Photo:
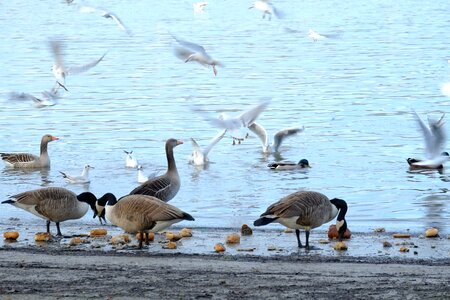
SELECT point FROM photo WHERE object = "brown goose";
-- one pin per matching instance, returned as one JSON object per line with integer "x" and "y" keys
{"x": 141, "y": 213}
{"x": 26, "y": 160}
{"x": 166, "y": 186}
{"x": 54, "y": 204}
{"x": 306, "y": 210}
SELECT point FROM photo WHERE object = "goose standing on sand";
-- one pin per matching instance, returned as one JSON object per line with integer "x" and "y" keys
{"x": 278, "y": 138}
{"x": 26, "y": 160}
{"x": 284, "y": 165}
{"x": 130, "y": 161}
{"x": 306, "y": 210}
{"x": 166, "y": 186}
{"x": 435, "y": 139}
{"x": 199, "y": 157}
{"x": 83, "y": 178}
{"x": 141, "y": 213}
{"x": 54, "y": 204}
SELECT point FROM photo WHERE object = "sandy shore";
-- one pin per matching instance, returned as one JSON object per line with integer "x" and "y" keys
{"x": 264, "y": 265}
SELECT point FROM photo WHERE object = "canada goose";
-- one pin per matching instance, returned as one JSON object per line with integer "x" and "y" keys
{"x": 284, "y": 165}
{"x": 141, "y": 213}
{"x": 54, "y": 204}
{"x": 26, "y": 160}
{"x": 166, "y": 186}
{"x": 306, "y": 210}
{"x": 99, "y": 210}
{"x": 83, "y": 178}
{"x": 130, "y": 161}
{"x": 188, "y": 51}
{"x": 278, "y": 138}
{"x": 200, "y": 157}
{"x": 435, "y": 139}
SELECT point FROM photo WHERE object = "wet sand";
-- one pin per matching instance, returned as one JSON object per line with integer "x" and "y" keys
{"x": 266, "y": 264}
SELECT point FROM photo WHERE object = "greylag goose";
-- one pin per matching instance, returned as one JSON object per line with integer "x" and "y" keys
{"x": 83, "y": 178}
{"x": 188, "y": 51}
{"x": 435, "y": 139}
{"x": 60, "y": 71}
{"x": 306, "y": 210}
{"x": 199, "y": 157}
{"x": 130, "y": 161}
{"x": 284, "y": 165}
{"x": 166, "y": 186}
{"x": 54, "y": 204}
{"x": 26, "y": 160}
{"x": 267, "y": 8}
{"x": 278, "y": 138}
{"x": 141, "y": 213}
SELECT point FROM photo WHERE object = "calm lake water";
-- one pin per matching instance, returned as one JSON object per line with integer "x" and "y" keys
{"x": 354, "y": 94}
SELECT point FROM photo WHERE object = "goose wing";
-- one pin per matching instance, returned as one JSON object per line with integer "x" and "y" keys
{"x": 157, "y": 187}
{"x": 13, "y": 158}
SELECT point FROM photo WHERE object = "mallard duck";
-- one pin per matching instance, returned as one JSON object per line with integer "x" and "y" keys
{"x": 302, "y": 164}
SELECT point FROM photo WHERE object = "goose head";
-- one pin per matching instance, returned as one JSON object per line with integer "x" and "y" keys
{"x": 341, "y": 223}
{"x": 88, "y": 198}
{"x": 49, "y": 138}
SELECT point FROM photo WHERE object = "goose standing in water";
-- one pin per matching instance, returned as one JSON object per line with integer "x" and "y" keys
{"x": 130, "y": 160}
{"x": 278, "y": 138}
{"x": 83, "y": 178}
{"x": 26, "y": 160}
{"x": 435, "y": 139}
{"x": 166, "y": 186}
{"x": 199, "y": 157}
{"x": 306, "y": 210}
{"x": 141, "y": 213}
{"x": 283, "y": 165}
{"x": 54, "y": 204}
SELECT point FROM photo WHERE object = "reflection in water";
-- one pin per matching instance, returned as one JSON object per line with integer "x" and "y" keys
{"x": 434, "y": 205}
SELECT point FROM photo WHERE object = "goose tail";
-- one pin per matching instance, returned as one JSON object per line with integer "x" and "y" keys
{"x": 264, "y": 221}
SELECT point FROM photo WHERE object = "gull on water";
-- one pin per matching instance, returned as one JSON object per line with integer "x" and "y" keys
{"x": 108, "y": 15}
{"x": 435, "y": 139}
{"x": 278, "y": 138}
{"x": 142, "y": 177}
{"x": 188, "y": 51}
{"x": 48, "y": 98}
{"x": 267, "y": 8}
{"x": 130, "y": 160}
{"x": 315, "y": 36}
{"x": 83, "y": 178}
{"x": 199, "y": 157}
{"x": 60, "y": 71}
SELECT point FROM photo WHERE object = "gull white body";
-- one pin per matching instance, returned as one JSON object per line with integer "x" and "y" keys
{"x": 83, "y": 178}
{"x": 199, "y": 157}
